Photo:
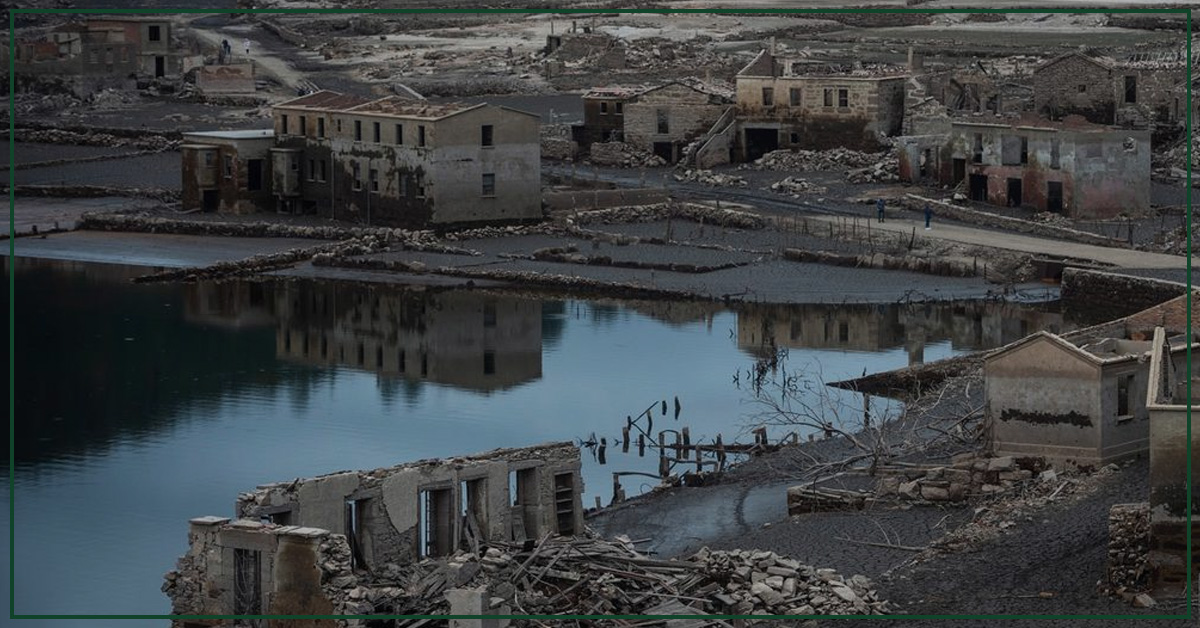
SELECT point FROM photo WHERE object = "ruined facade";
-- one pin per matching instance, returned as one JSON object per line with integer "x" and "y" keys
{"x": 1169, "y": 404}
{"x": 1077, "y": 404}
{"x": 1130, "y": 92}
{"x": 227, "y": 171}
{"x": 1073, "y": 167}
{"x": 402, "y": 162}
{"x": 785, "y": 104}
{"x": 296, "y": 546}
{"x": 663, "y": 120}
{"x": 604, "y": 115}
{"x": 114, "y": 46}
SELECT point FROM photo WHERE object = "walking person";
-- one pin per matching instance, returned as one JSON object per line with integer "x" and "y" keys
{"x": 247, "y": 45}
{"x": 928, "y": 215}
{"x": 879, "y": 209}
{"x": 226, "y": 51}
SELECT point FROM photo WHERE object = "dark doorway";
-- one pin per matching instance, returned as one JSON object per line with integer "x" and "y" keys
{"x": 665, "y": 150}
{"x": 160, "y": 67}
{"x": 247, "y": 582}
{"x": 357, "y": 519}
{"x": 1054, "y": 197}
{"x": 1014, "y": 192}
{"x": 960, "y": 170}
{"x": 523, "y": 489}
{"x": 978, "y": 187}
{"x": 759, "y": 142}
{"x": 210, "y": 200}
{"x": 437, "y": 522}
{"x": 254, "y": 175}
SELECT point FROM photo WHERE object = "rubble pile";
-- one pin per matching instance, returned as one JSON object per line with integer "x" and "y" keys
{"x": 708, "y": 177}
{"x": 795, "y": 186}
{"x": 967, "y": 476}
{"x": 1051, "y": 218}
{"x": 1172, "y": 164}
{"x": 886, "y": 170}
{"x": 1128, "y": 548}
{"x": 594, "y": 576}
{"x": 623, "y": 155}
{"x": 1173, "y": 241}
{"x": 703, "y": 214}
{"x": 144, "y": 141}
{"x": 1019, "y": 504}
{"x": 818, "y": 160}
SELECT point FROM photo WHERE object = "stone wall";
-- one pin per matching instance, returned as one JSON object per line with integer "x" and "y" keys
{"x": 1108, "y": 295}
{"x": 1074, "y": 85}
{"x": 688, "y": 113}
{"x": 973, "y": 216}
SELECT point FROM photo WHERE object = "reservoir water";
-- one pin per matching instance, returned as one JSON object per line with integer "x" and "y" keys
{"x": 139, "y": 406}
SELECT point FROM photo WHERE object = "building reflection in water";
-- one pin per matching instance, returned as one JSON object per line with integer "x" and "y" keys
{"x": 472, "y": 340}
{"x": 871, "y": 328}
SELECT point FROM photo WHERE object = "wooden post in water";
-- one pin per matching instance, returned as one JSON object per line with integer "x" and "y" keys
{"x": 641, "y": 445}
{"x": 625, "y": 439}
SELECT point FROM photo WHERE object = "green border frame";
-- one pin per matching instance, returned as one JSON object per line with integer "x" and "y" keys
{"x": 12, "y": 294}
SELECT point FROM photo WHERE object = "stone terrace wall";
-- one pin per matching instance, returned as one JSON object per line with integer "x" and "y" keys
{"x": 1110, "y": 295}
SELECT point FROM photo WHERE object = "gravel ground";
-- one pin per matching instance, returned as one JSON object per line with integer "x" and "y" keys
{"x": 158, "y": 170}
{"x": 32, "y": 152}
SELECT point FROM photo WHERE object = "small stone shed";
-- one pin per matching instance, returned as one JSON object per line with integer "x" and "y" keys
{"x": 1082, "y": 405}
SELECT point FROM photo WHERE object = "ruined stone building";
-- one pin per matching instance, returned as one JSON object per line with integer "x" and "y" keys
{"x": 297, "y": 547}
{"x": 1169, "y": 405}
{"x": 1081, "y": 404}
{"x": 391, "y": 161}
{"x": 604, "y": 115}
{"x": 479, "y": 342}
{"x": 227, "y": 171}
{"x": 664, "y": 119}
{"x": 1132, "y": 91}
{"x": 788, "y": 103}
{"x": 1080, "y": 169}
{"x": 117, "y": 46}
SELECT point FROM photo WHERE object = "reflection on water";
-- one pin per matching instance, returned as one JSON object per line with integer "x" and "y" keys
{"x": 875, "y": 328}
{"x": 139, "y": 406}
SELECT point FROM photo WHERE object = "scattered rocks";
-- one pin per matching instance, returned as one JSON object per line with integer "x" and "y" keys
{"x": 623, "y": 155}
{"x": 818, "y": 160}
{"x": 795, "y": 186}
{"x": 708, "y": 177}
{"x": 1128, "y": 550}
{"x": 695, "y": 212}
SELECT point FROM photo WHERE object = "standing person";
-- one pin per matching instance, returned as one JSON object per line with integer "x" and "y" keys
{"x": 247, "y": 44}
{"x": 928, "y": 215}
{"x": 226, "y": 50}
{"x": 879, "y": 209}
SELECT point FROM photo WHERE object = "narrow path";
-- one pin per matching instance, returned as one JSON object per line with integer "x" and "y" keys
{"x": 212, "y": 30}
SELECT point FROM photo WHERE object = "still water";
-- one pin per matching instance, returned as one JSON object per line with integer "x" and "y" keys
{"x": 141, "y": 406}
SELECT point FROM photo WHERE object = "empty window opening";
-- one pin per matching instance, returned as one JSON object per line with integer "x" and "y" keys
{"x": 358, "y": 130}
{"x": 1124, "y": 384}
{"x": 356, "y": 171}
{"x": 1024, "y": 150}
{"x": 768, "y": 96}
{"x": 663, "y": 120}
{"x": 283, "y": 124}
{"x": 154, "y": 33}
{"x": 843, "y": 98}
{"x": 228, "y": 166}
{"x": 361, "y": 355}
{"x": 1010, "y": 150}
{"x": 603, "y": 108}
{"x": 843, "y": 332}
{"x": 1130, "y": 89}
{"x": 1054, "y": 196}
{"x": 1014, "y": 192}
{"x": 303, "y": 125}
{"x": 522, "y": 485}
{"x": 399, "y": 134}
{"x": 373, "y": 177}
{"x": 794, "y": 138}
{"x": 489, "y": 362}
{"x": 489, "y": 314}
{"x": 564, "y": 502}
{"x": 619, "y": 108}
{"x": 794, "y": 96}
{"x": 320, "y": 127}
{"x": 312, "y": 170}
{"x": 359, "y": 521}
{"x": 420, "y": 135}
{"x": 254, "y": 175}
{"x": 420, "y": 185}
{"x": 247, "y": 582}
{"x": 977, "y": 149}
{"x": 376, "y": 133}
{"x": 473, "y": 508}
{"x": 486, "y": 133}
{"x": 828, "y": 97}
{"x": 489, "y": 184}
{"x": 436, "y": 522}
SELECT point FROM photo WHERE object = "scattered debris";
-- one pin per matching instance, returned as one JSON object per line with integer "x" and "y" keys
{"x": 708, "y": 177}
{"x": 623, "y": 155}
{"x": 1128, "y": 549}
{"x": 820, "y": 160}
{"x": 795, "y": 186}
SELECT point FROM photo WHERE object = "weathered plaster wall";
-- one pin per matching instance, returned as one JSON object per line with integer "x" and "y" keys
{"x": 1043, "y": 401}
{"x": 689, "y": 113}
{"x": 873, "y": 107}
{"x": 1074, "y": 85}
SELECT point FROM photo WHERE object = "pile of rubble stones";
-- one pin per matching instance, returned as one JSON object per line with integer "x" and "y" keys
{"x": 623, "y": 155}
{"x": 817, "y": 160}
{"x": 795, "y": 186}
{"x": 710, "y": 178}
